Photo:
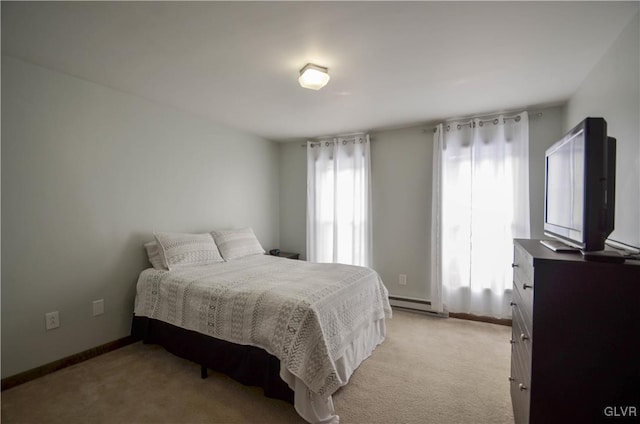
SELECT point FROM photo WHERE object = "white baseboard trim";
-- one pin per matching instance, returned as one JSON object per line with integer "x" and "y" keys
{"x": 418, "y": 305}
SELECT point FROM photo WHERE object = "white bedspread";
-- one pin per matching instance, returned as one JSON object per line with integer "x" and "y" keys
{"x": 307, "y": 315}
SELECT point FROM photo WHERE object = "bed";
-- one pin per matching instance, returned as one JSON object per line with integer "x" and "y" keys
{"x": 267, "y": 321}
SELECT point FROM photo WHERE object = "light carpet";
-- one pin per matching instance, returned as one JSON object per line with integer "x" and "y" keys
{"x": 428, "y": 370}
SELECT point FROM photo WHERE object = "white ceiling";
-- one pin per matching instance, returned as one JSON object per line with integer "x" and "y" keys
{"x": 391, "y": 63}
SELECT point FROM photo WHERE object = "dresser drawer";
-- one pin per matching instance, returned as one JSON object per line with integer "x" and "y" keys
{"x": 521, "y": 400}
{"x": 523, "y": 281}
{"x": 522, "y": 264}
{"x": 523, "y": 309}
{"x": 521, "y": 343}
{"x": 520, "y": 389}
{"x": 520, "y": 379}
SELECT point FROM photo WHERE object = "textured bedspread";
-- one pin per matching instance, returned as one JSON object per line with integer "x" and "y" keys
{"x": 305, "y": 314}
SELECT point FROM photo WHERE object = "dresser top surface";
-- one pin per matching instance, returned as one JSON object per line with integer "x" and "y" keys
{"x": 540, "y": 252}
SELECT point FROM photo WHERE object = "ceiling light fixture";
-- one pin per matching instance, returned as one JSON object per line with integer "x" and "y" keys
{"x": 313, "y": 77}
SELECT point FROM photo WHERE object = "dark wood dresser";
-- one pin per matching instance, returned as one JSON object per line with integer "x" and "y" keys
{"x": 575, "y": 347}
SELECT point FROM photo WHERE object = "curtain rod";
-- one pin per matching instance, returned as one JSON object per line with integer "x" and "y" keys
{"x": 494, "y": 121}
{"x": 363, "y": 139}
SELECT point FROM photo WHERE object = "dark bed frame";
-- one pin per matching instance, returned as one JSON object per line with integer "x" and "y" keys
{"x": 248, "y": 365}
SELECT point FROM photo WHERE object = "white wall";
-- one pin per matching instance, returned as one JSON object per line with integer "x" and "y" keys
{"x": 401, "y": 172}
{"x": 293, "y": 197}
{"x": 543, "y": 132}
{"x": 612, "y": 91}
{"x": 401, "y": 177}
{"x": 88, "y": 173}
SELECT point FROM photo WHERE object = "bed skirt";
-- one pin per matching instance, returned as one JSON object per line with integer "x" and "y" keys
{"x": 254, "y": 366}
{"x": 248, "y": 365}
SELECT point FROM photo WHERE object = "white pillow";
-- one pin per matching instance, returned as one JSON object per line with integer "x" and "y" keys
{"x": 180, "y": 250}
{"x": 153, "y": 253}
{"x": 235, "y": 244}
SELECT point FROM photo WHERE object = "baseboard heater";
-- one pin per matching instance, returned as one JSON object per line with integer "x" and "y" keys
{"x": 413, "y": 304}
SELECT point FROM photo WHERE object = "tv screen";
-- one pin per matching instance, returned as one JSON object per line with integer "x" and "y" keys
{"x": 580, "y": 186}
{"x": 565, "y": 194}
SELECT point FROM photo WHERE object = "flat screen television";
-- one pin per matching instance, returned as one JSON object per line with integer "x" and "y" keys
{"x": 580, "y": 172}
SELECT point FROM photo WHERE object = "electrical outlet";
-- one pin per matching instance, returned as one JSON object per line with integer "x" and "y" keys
{"x": 98, "y": 307}
{"x": 52, "y": 320}
{"x": 402, "y": 279}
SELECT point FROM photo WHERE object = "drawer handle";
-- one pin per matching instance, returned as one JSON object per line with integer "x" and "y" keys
{"x": 512, "y": 379}
{"x": 526, "y": 286}
{"x": 522, "y": 387}
{"x": 524, "y": 337}
{"x": 512, "y": 341}
{"x": 512, "y": 303}
{"x": 514, "y": 265}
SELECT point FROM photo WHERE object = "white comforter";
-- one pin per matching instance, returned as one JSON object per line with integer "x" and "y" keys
{"x": 307, "y": 315}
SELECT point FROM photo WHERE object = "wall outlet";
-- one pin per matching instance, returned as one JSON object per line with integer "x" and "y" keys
{"x": 52, "y": 320}
{"x": 98, "y": 307}
{"x": 402, "y": 279}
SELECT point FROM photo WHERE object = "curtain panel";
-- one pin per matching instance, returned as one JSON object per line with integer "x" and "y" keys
{"x": 339, "y": 200}
{"x": 480, "y": 204}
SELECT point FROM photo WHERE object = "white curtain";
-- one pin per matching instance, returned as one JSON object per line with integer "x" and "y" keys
{"x": 480, "y": 204}
{"x": 339, "y": 200}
